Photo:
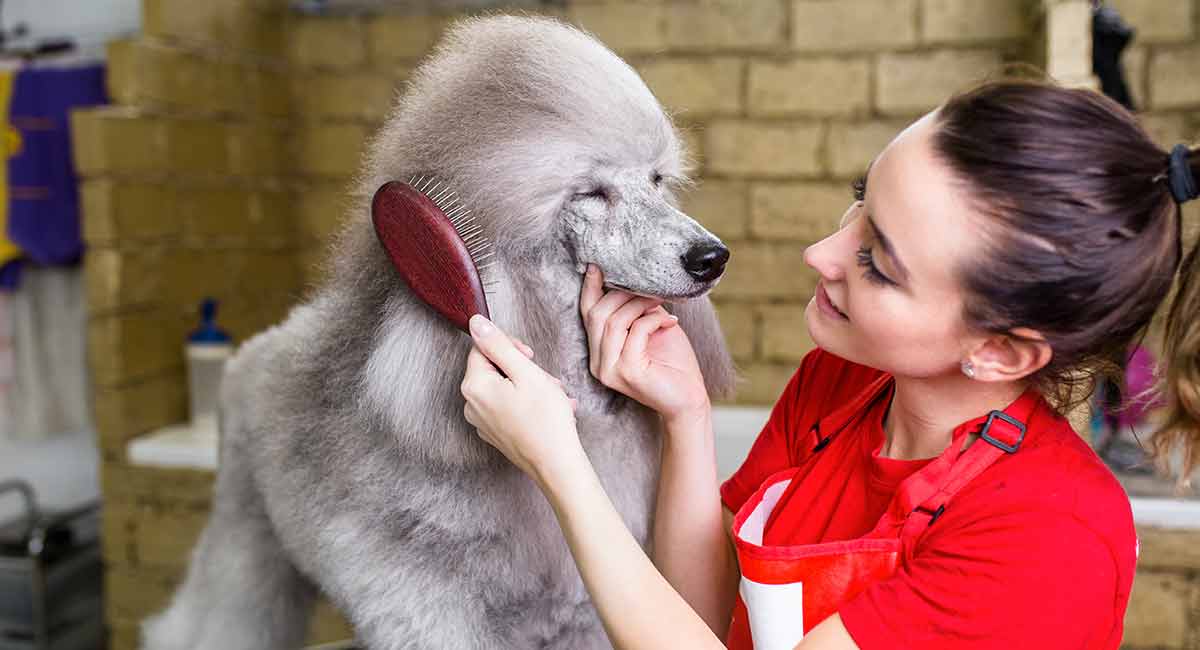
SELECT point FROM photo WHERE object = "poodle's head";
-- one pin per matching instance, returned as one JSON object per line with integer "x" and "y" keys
{"x": 556, "y": 144}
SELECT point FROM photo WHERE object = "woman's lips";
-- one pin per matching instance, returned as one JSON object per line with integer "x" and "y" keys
{"x": 827, "y": 305}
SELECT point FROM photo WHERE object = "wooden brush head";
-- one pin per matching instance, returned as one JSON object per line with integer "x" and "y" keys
{"x": 428, "y": 252}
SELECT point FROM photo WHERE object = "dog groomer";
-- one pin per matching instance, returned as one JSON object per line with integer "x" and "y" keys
{"x": 916, "y": 485}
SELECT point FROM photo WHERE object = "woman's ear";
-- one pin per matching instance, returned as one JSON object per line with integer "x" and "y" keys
{"x": 1009, "y": 358}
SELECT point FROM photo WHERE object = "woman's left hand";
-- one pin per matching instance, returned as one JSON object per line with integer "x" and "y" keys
{"x": 524, "y": 412}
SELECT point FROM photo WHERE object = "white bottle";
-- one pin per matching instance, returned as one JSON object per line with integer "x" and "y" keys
{"x": 208, "y": 348}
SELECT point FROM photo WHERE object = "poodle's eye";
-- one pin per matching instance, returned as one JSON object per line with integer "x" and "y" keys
{"x": 657, "y": 179}
{"x": 597, "y": 193}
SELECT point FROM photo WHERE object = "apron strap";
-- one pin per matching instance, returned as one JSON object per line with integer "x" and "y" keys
{"x": 1001, "y": 434}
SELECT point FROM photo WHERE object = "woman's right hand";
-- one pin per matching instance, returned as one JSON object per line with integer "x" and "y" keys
{"x": 635, "y": 348}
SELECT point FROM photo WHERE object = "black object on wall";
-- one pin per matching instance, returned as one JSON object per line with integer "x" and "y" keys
{"x": 1110, "y": 35}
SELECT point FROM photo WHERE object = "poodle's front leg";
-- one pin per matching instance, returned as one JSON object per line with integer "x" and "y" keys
{"x": 241, "y": 592}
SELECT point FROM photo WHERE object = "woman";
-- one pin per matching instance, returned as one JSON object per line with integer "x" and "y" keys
{"x": 915, "y": 484}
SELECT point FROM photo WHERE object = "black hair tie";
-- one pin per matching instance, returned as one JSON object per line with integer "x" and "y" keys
{"x": 1179, "y": 175}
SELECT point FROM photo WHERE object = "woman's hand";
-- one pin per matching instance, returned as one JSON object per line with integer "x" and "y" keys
{"x": 523, "y": 413}
{"x": 634, "y": 348}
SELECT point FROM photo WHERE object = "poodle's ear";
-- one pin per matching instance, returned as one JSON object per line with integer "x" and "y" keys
{"x": 699, "y": 320}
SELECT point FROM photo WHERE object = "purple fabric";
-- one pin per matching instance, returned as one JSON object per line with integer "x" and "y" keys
{"x": 1139, "y": 377}
{"x": 43, "y": 206}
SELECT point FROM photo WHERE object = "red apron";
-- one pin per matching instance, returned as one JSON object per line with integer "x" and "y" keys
{"x": 785, "y": 591}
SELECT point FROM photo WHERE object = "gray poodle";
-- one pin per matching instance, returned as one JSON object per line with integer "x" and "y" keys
{"x": 347, "y": 466}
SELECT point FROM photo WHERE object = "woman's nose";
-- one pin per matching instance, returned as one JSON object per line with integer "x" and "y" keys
{"x": 823, "y": 257}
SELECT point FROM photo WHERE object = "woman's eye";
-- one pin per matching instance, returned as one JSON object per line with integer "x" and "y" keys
{"x": 860, "y": 188}
{"x": 872, "y": 273}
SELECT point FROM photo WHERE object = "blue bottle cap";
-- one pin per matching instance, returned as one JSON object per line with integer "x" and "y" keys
{"x": 208, "y": 332}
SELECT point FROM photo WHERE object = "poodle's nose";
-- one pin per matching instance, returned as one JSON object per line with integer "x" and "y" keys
{"x": 706, "y": 261}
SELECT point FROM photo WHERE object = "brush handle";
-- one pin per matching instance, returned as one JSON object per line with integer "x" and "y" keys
{"x": 427, "y": 251}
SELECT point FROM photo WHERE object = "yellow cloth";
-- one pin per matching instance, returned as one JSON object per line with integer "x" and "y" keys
{"x": 10, "y": 145}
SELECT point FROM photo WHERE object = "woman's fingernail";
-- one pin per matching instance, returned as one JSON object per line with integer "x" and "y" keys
{"x": 591, "y": 269}
{"x": 480, "y": 326}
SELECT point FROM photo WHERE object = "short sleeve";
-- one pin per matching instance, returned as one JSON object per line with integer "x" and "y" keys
{"x": 770, "y": 452}
{"x": 1031, "y": 580}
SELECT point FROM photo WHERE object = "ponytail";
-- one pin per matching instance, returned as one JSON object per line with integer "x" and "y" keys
{"x": 1180, "y": 380}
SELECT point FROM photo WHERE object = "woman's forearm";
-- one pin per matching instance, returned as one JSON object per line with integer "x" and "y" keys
{"x": 638, "y": 607}
{"x": 691, "y": 547}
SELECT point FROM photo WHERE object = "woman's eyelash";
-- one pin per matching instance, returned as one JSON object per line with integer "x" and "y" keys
{"x": 872, "y": 273}
{"x": 860, "y": 188}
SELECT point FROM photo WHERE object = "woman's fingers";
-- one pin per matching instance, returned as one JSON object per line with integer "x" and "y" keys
{"x": 640, "y": 331}
{"x": 500, "y": 350}
{"x": 593, "y": 289}
{"x": 616, "y": 330}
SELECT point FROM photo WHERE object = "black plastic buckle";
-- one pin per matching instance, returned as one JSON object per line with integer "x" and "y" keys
{"x": 987, "y": 426}
{"x": 934, "y": 513}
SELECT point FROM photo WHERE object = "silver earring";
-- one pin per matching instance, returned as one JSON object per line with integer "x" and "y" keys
{"x": 968, "y": 369}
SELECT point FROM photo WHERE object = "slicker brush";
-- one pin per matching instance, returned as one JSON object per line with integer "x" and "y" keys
{"x": 436, "y": 246}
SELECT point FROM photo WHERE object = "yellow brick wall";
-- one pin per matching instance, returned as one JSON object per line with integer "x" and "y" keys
{"x": 223, "y": 169}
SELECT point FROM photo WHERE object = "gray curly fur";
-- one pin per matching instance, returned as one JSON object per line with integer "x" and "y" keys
{"x": 347, "y": 466}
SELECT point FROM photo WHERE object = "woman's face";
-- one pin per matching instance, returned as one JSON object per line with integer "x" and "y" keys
{"x": 889, "y": 268}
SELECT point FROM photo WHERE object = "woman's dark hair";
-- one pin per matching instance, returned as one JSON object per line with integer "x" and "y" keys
{"x": 1084, "y": 239}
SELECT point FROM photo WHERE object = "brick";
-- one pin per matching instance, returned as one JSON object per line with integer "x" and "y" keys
{"x": 1168, "y": 129}
{"x": 1157, "y": 613}
{"x": 115, "y": 211}
{"x": 231, "y": 25}
{"x": 327, "y": 42}
{"x": 115, "y": 140}
{"x": 328, "y": 625}
{"x": 739, "y": 324}
{"x": 254, "y": 311}
{"x": 915, "y": 83}
{"x": 1156, "y": 21}
{"x": 766, "y": 270}
{"x": 126, "y": 347}
{"x": 126, "y": 412}
{"x": 197, "y": 147}
{"x": 268, "y": 93}
{"x": 805, "y": 212}
{"x": 363, "y": 96}
{"x": 693, "y": 148}
{"x": 726, "y": 25}
{"x": 132, "y": 595}
{"x": 116, "y": 534}
{"x": 321, "y": 210}
{"x": 392, "y": 38}
{"x": 852, "y": 146}
{"x": 1134, "y": 60}
{"x": 1168, "y": 549}
{"x": 809, "y": 87}
{"x": 313, "y": 265}
{"x": 123, "y": 278}
{"x": 176, "y": 487}
{"x": 234, "y": 217}
{"x": 329, "y": 150}
{"x": 146, "y": 73}
{"x": 632, "y": 28}
{"x": 784, "y": 333}
{"x": 766, "y": 149}
{"x": 854, "y": 25}
{"x": 720, "y": 206}
{"x": 1173, "y": 79}
{"x": 970, "y": 21}
{"x": 698, "y": 87}
{"x": 164, "y": 537}
{"x": 256, "y": 149}
{"x": 763, "y": 383}
{"x": 1069, "y": 40}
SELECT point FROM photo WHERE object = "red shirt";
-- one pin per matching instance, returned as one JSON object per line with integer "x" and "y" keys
{"x": 1036, "y": 552}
